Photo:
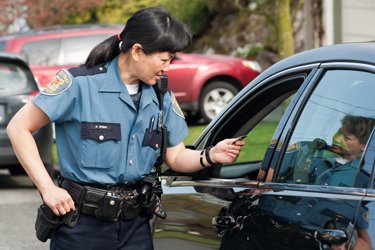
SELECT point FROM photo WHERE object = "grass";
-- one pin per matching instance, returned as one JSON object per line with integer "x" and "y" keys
{"x": 256, "y": 142}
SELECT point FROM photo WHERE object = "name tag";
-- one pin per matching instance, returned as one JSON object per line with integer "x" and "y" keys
{"x": 101, "y": 131}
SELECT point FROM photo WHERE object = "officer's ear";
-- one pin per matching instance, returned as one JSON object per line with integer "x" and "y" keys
{"x": 136, "y": 51}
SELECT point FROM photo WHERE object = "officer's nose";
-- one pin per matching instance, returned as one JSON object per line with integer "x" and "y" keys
{"x": 166, "y": 67}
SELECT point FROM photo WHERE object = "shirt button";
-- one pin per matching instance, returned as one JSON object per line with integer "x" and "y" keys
{"x": 101, "y": 137}
{"x": 131, "y": 162}
{"x": 134, "y": 137}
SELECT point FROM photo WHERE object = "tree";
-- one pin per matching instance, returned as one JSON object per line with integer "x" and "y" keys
{"x": 284, "y": 31}
{"x": 44, "y": 13}
{"x": 10, "y": 11}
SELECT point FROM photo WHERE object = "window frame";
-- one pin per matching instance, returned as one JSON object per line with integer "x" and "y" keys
{"x": 291, "y": 125}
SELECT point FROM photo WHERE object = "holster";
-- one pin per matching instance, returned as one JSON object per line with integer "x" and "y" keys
{"x": 47, "y": 222}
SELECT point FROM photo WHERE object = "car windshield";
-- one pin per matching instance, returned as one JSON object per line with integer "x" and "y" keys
{"x": 13, "y": 79}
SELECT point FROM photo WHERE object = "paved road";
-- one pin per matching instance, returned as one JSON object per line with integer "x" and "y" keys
{"x": 19, "y": 201}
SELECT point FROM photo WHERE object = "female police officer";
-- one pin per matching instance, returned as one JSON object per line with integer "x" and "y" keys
{"x": 103, "y": 112}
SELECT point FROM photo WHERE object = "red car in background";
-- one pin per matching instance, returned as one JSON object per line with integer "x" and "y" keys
{"x": 202, "y": 84}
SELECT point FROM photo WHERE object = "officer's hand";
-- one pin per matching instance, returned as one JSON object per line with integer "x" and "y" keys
{"x": 226, "y": 151}
{"x": 59, "y": 200}
{"x": 338, "y": 247}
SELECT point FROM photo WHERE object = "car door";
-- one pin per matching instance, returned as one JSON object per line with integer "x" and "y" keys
{"x": 280, "y": 192}
{"x": 316, "y": 175}
{"x": 191, "y": 201}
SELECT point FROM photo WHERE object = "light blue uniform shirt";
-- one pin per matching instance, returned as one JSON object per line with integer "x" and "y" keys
{"x": 99, "y": 132}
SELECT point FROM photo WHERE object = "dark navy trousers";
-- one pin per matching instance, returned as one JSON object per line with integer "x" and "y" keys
{"x": 91, "y": 233}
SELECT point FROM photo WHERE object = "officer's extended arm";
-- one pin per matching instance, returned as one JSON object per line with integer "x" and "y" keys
{"x": 184, "y": 160}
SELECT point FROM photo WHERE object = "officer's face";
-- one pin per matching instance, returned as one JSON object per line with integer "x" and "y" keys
{"x": 152, "y": 66}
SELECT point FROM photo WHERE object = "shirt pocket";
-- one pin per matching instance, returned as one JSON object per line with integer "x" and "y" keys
{"x": 100, "y": 145}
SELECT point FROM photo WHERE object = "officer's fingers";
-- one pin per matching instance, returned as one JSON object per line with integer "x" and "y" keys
{"x": 233, "y": 151}
{"x": 71, "y": 204}
{"x": 63, "y": 209}
{"x": 66, "y": 206}
{"x": 56, "y": 211}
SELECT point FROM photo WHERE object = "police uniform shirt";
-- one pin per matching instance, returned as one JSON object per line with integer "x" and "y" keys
{"x": 340, "y": 175}
{"x": 99, "y": 131}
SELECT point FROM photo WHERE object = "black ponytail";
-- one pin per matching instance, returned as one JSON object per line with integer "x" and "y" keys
{"x": 103, "y": 52}
{"x": 155, "y": 29}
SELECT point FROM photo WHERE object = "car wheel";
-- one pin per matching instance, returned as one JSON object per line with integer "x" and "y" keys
{"x": 50, "y": 167}
{"x": 17, "y": 170}
{"x": 214, "y": 97}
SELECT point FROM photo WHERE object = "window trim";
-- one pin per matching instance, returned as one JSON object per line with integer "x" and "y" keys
{"x": 292, "y": 122}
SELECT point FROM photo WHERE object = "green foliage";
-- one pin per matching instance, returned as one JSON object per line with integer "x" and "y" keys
{"x": 194, "y": 13}
{"x": 119, "y": 11}
{"x": 249, "y": 50}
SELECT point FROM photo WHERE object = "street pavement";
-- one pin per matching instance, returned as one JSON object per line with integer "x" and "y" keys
{"x": 19, "y": 201}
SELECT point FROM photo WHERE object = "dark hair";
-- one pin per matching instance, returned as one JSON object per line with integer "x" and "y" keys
{"x": 360, "y": 127}
{"x": 154, "y": 28}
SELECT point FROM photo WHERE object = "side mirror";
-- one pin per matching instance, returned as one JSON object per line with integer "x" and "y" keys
{"x": 331, "y": 236}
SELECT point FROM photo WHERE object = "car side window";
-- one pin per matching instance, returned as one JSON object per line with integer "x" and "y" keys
{"x": 332, "y": 131}
{"x": 259, "y": 137}
{"x": 74, "y": 50}
{"x": 258, "y": 115}
{"x": 14, "y": 79}
{"x": 42, "y": 52}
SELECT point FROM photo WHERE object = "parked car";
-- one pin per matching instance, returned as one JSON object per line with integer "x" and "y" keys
{"x": 18, "y": 86}
{"x": 305, "y": 178}
{"x": 202, "y": 84}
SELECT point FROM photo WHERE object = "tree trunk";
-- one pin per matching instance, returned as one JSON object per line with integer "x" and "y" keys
{"x": 284, "y": 30}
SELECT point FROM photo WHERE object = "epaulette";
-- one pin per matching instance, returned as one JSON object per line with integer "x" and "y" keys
{"x": 84, "y": 71}
{"x": 176, "y": 107}
{"x": 294, "y": 147}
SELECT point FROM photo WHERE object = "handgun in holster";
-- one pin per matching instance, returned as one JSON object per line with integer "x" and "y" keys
{"x": 47, "y": 222}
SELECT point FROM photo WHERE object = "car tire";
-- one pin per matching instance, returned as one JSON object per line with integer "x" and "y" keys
{"x": 50, "y": 167}
{"x": 17, "y": 170}
{"x": 214, "y": 97}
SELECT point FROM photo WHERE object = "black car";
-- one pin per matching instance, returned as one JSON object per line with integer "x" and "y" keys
{"x": 312, "y": 185}
{"x": 18, "y": 86}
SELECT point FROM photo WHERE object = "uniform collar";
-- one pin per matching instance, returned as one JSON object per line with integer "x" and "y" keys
{"x": 113, "y": 83}
{"x": 148, "y": 96}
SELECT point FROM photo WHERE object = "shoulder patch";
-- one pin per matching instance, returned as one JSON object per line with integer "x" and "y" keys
{"x": 59, "y": 83}
{"x": 176, "y": 108}
{"x": 84, "y": 71}
{"x": 294, "y": 147}
{"x": 366, "y": 216}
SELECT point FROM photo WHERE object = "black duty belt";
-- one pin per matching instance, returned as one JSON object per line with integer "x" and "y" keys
{"x": 108, "y": 203}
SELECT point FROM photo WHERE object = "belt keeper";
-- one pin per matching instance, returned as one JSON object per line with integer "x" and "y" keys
{"x": 207, "y": 153}
{"x": 201, "y": 160}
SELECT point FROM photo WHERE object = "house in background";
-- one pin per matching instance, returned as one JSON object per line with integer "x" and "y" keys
{"x": 348, "y": 21}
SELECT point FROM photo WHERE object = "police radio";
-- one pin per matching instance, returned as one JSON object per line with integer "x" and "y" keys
{"x": 150, "y": 189}
{"x": 162, "y": 87}
{"x": 163, "y": 84}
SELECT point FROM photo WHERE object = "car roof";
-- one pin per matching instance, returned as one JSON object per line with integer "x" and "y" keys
{"x": 63, "y": 29}
{"x": 361, "y": 52}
